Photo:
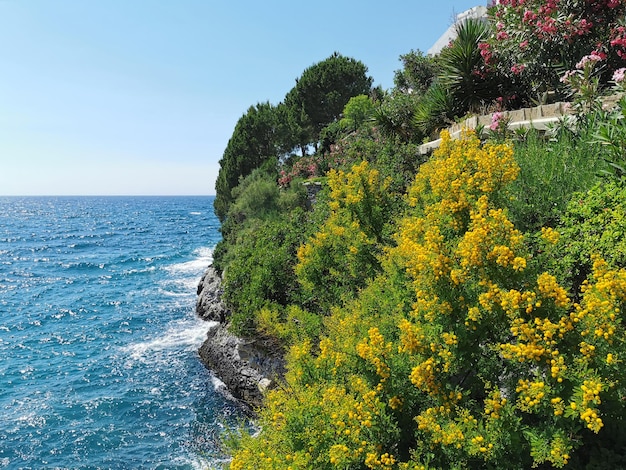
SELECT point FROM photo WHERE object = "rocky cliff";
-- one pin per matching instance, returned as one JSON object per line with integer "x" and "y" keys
{"x": 247, "y": 366}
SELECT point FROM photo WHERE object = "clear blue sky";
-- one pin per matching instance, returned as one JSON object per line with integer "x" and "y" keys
{"x": 140, "y": 97}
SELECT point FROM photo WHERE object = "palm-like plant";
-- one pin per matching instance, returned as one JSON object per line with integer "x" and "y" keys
{"x": 437, "y": 109}
{"x": 463, "y": 71}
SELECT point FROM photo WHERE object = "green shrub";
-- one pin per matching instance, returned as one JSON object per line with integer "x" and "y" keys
{"x": 342, "y": 256}
{"x": 550, "y": 172}
{"x": 460, "y": 352}
{"x": 261, "y": 268}
{"x": 593, "y": 224}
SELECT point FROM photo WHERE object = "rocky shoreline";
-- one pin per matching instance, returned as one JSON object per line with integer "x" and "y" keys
{"x": 247, "y": 366}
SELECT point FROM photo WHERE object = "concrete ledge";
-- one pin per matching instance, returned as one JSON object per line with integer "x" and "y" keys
{"x": 538, "y": 117}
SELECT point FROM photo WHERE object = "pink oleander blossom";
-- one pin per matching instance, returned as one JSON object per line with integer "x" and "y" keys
{"x": 495, "y": 120}
{"x": 567, "y": 76}
{"x": 618, "y": 75}
{"x": 485, "y": 52}
{"x": 591, "y": 58}
{"x": 502, "y": 35}
{"x": 518, "y": 68}
{"x": 529, "y": 16}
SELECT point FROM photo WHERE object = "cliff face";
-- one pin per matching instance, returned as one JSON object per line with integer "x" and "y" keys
{"x": 247, "y": 366}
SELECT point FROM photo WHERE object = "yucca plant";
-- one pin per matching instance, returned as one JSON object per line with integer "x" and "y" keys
{"x": 436, "y": 110}
{"x": 463, "y": 72}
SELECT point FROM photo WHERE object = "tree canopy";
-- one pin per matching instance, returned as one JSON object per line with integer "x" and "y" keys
{"x": 254, "y": 141}
{"x": 267, "y": 131}
{"x": 324, "y": 89}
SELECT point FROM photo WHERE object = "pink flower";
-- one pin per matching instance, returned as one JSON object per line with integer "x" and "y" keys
{"x": 501, "y": 35}
{"x": 485, "y": 52}
{"x": 518, "y": 68}
{"x": 566, "y": 76}
{"x": 618, "y": 75}
{"x": 529, "y": 16}
{"x": 588, "y": 59}
{"x": 495, "y": 121}
{"x": 523, "y": 44}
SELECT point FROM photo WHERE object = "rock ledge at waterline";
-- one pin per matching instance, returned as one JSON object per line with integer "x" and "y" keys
{"x": 247, "y": 366}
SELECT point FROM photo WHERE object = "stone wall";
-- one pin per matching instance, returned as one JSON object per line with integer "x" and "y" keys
{"x": 538, "y": 117}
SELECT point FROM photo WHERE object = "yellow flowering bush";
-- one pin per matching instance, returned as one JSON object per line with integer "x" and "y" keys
{"x": 517, "y": 332}
{"x": 342, "y": 255}
{"x": 462, "y": 352}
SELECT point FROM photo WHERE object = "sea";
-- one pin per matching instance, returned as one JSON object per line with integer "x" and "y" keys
{"x": 99, "y": 366}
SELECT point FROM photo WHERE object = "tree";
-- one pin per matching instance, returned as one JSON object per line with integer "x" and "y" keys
{"x": 357, "y": 111}
{"x": 417, "y": 74}
{"x": 255, "y": 140}
{"x": 323, "y": 90}
{"x": 296, "y": 131}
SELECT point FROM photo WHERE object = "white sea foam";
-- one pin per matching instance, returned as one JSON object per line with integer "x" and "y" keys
{"x": 218, "y": 384}
{"x": 204, "y": 256}
{"x": 180, "y": 336}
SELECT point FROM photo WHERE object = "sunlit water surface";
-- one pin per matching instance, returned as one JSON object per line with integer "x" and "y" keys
{"x": 98, "y": 335}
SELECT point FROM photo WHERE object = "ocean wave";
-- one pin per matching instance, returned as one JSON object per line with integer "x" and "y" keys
{"x": 181, "y": 335}
{"x": 96, "y": 314}
{"x": 204, "y": 257}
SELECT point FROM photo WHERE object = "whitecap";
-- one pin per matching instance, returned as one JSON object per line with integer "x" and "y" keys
{"x": 218, "y": 385}
{"x": 31, "y": 419}
{"x": 179, "y": 336}
{"x": 204, "y": 257}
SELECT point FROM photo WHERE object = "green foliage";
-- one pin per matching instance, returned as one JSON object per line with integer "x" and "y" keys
{"x": 329, "y": 135}
{"x": 455, "y": 350}
{"x": 266, "y": 131}
{"x": 610, "y": 133}
{"x": 290, "y": 324}
{"x": 339, "y": 259}
{"x": 394, "y": 116}
{"x": 394, "y": 157}
{"x": 550, "y": 172}
{"x": 252, "y": 143}
{"x": 436, "y": 110}
{"x": 323, "y": 90}
{"x": 417, "y": 73}
{"x": 358, "y": 110}
{"x": 263, "y": 229}
{"x": 593, "y": 224}
{"x": 260, "y": 268}
{"x": 462, "y": 68}
{"x": 256, "y": 196}
{"x": 297, "y": 130}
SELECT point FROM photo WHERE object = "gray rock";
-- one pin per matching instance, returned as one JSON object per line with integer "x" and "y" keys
{"x": 209, "y": 305}
{"x": 247, "y": 366}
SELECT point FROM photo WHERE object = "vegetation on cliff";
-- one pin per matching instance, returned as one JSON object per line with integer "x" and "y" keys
{"x": 463, "y": 310}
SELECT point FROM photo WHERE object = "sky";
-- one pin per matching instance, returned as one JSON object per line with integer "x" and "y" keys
{"x": 140, "y": 97}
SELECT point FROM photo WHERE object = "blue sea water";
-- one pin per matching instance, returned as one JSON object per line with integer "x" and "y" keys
{"x": 98, "y": 334}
